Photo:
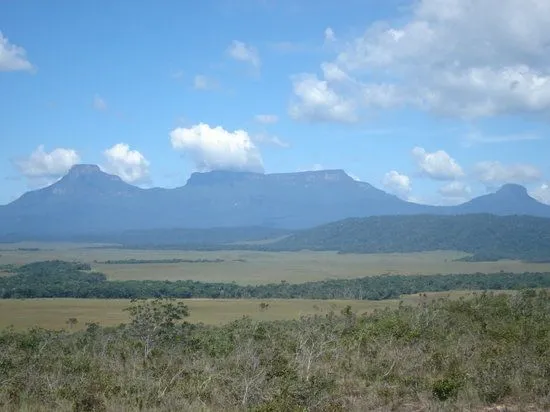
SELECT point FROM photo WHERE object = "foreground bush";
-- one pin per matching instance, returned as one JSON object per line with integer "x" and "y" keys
{"x": 444, "y": 355}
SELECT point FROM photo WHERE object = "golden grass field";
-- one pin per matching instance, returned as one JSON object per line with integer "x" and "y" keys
{"x": 259, "y": 267}
{"x": 243, "y": 267}
{"x": 54, "y": 313}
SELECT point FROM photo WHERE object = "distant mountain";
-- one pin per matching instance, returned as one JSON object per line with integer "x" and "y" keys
{"x": 89, "y": 201}
{"x": 487, "y": 237}
{"x": 510, "y": 199}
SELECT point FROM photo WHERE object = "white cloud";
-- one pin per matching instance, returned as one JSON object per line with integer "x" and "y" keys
{"x": 397, "y": 183}
{"x": 329, "y": 35}
{"x": 333, "y": 73}
{"x": 42, "y": 168}
{"x": 202, "y": 82}
{"x": 461, "y": 58}
{"x": 130, "y": 165}
{"x": 316, "y": 100}
{"x": 242, "y": 52}
{"x": 99, "y": 103}
{"x": 267, "y": 118}
{"x": 457, "y": 192}
{"x": 214, "y": 148}
{"x": 337, "y": 96}
{"x": 12, "y": 57}
{"x": 437, "y": 165}
{"x": 495, "y": 173}
{"x": 542, "y": 193}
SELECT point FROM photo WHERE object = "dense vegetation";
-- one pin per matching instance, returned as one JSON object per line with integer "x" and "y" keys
{"x": 487, "y": 237}
{"x": 74, "y": 280}
{"x": 445, "y": 355}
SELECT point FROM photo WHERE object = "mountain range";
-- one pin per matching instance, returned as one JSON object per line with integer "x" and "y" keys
{"x": 87, "y": 201}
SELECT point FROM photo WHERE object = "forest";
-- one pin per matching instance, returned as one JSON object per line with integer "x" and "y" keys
{"x": 486, "y": 237}
{"x": 59, "y": 279}
{"x": 465, "y": 354}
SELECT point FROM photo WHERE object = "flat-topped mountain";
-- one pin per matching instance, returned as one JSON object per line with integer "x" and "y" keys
{"x": 88, "y": 201}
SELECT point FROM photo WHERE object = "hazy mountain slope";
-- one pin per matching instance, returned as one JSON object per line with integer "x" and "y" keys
{"x": 486, "y": 236}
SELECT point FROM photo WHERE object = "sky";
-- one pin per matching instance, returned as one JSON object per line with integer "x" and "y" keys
{"x": 436, "y": 101}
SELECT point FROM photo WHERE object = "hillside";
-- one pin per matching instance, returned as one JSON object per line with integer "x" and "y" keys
{"x": 487, "y": 237}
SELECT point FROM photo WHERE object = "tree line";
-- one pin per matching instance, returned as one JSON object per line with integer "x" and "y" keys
{"x": 58, "y": 279}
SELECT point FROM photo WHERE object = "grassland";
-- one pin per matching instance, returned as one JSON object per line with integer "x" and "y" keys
{"x": 247, "y": 267}
{"x": 54, "y": 313}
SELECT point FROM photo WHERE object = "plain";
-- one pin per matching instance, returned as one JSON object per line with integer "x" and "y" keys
{"x": 250, "y": 267}
{"x": 55, "y": 313}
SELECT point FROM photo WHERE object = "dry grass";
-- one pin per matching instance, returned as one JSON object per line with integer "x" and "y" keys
{"x": 260, "y": 267}
{"x": 54, "y": 313}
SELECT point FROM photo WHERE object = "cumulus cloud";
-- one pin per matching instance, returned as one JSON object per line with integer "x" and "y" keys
{"x": 542, "y": 193}
{"x": 42, "y": 167}
{"x": 99, "y": 103}
{"x": 397, "y": 183}
{"x": 493, "y": 173}
{"x": 316, "y": 100}
{"x": 202, "y": 82}
{"x": 437, "y": 165}
{"x": 130, "y": 165}
{"x": 329, "y": 35}
{"x": 455, "y": 192}
{"x": 245, "y": 53}
{"x": 267, "y": 118}
{"x": 12, "y": 57}
{"x": 464, "y": 58}
{"x": 214, "y": 148}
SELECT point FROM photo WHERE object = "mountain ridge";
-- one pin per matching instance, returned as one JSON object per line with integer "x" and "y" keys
{"x": 88, "y": 200}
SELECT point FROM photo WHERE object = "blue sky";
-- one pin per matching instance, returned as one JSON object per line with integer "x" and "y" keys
{"x": 436, "y": 101}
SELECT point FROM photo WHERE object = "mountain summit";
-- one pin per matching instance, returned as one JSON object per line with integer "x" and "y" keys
{"x": 83, "y": 170}
{"x": 510, "y": 199}
{"x": 88, "y": 200}
{"x": 512, "y": 189}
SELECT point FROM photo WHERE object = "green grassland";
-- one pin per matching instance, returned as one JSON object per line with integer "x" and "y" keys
{"x": 54, "y": 313}
{"x": 251, "y": 267}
